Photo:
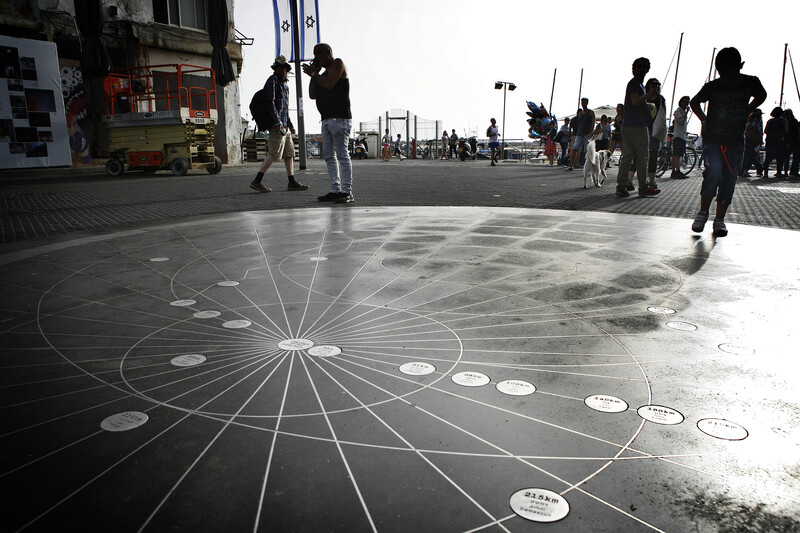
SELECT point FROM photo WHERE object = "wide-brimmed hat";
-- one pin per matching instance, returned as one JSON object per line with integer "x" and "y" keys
{"x": 758, "y": 112}
{"x": 280, "y": 61}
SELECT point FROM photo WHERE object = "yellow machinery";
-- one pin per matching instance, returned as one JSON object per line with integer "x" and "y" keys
{"x": 157, "y": 120}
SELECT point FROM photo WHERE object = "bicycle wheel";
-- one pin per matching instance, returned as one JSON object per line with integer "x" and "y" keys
{"x": 662, "y": 161}
{"x": 689, "y": 160}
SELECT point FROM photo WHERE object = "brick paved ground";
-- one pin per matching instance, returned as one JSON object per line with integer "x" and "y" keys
{"x": 43, "y": 203}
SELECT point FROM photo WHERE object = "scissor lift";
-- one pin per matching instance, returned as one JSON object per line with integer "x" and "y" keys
{"x": 156, "y": 120}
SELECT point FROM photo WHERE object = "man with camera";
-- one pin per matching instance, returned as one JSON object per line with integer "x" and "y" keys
{"x": 331, "y": 90}
{"x": 280, "y": 144}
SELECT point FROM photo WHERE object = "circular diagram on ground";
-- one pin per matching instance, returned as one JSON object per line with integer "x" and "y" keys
{"x": 435, "y": 363}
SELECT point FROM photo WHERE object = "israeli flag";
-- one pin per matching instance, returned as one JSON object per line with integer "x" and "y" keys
{"x": 308, "y": 26}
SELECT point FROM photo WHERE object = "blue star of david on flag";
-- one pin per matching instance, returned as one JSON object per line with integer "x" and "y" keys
{"x": 306, "y": 21}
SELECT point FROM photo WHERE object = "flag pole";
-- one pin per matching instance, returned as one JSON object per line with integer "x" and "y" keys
{"x": 298, "y": 56}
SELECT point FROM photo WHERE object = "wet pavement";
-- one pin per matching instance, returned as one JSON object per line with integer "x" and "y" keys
{"x": 399, "y": 367}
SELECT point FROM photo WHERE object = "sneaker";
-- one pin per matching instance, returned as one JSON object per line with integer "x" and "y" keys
{"x": 678, "y": 175}
{"x": 720, "y": 230}
{"x": 630, "y": 187}
{"x": 295, "y": 186}
{"x": 623, "y": 192}
{"x": 493, "y": 163}
{"x": 345, "y": 198}
{"x": 570, "y": 168}
{"x": 330, "y": 197}
{"x": 259, "y": 187}
{"x": 651, "y": 190}
{"x": 700, "y": 221}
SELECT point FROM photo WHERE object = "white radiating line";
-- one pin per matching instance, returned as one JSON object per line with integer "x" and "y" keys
{"x": 274, "y": 282}
{"x": 511, "y": 455}
{"x": 204, "y": 256}
{"x": 131, "y": 454}
{"x": 398, "y": 276}
{"x": 272, "y": 446}
{"x": 213, "y": 440}
{"x": 339, "y": 447}
{"x": 189, "y": 411}
{"x": 314, "y": 276}
{"x": 217, "y": 357}
{"x": 403, "y": 439}
{"x": 310, "y": 330}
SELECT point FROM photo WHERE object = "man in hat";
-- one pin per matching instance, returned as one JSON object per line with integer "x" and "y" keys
{"x": 331, "y": 90}
{"x": 280, "y": 144}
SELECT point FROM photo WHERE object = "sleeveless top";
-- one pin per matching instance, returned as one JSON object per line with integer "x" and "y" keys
{"x": 335, "y": 103}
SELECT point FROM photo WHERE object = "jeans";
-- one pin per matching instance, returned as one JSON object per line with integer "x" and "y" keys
{"x": 335, "y": 134}
{"x": 722, "y": 167}
{"x": 636, "y": 142}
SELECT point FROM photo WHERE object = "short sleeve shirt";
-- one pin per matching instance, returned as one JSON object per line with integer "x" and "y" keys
{"x": 727, "y": 108}
{"x": 634, "y": 116}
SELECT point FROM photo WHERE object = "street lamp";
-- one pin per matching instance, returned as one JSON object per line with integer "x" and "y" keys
{"x": 510, "y": 86}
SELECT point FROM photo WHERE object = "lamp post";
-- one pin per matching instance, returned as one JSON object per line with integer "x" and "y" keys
{"x": 510, "y": 86}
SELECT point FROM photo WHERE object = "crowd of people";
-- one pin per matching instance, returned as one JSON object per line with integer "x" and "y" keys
{"x": 732, "y": 132}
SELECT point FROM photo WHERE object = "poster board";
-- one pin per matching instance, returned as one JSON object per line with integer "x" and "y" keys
{"x": 33, "y": 127}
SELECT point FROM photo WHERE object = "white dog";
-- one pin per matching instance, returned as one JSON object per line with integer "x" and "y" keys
{"x": 595, "y": 165}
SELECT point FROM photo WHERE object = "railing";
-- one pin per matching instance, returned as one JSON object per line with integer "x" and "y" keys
{"x": 133, "y": 90}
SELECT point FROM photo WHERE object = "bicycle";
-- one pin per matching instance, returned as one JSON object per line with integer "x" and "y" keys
{"x": 664, "y": 160}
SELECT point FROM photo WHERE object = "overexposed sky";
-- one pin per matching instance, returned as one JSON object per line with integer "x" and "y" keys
{"x": 440, "y": 58}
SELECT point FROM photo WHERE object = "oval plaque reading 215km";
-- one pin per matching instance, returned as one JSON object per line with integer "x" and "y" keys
{"x": 539, "y": 505}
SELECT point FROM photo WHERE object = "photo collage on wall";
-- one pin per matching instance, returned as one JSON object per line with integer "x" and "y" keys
{"x": 27, "y": 113}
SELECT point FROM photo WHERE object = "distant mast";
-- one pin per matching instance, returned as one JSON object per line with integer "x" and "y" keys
{"x": 783, "y": 72}
{"x": 675, "y": 83}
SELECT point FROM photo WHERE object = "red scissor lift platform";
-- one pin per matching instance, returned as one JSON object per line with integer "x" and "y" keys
{"x": 158, "y": 117}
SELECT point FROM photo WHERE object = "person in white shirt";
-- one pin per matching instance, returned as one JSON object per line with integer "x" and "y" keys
{"x": 494, "y": 144}
{"x": 679, "y": 122}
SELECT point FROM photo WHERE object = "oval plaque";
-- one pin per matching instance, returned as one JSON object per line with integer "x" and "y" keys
{"x": 227, "y": 283}
{"x": 470, "y": 379}
{"x": 515, "y": 387}
{"x": 206, "y": 314}
{"x": 722, "y": 429}
{"x": 659, "y": 414}
{"x": 324, "y": 350}
{"x": 124, "y": 421}
{"x": 236, "y": 324}
{"x": 182, "y": 303}
{"x": 661, "y": 310}
{"x": 416, "y": 368}
{"x": 319, "y": 258}
{"x": 190, "y": 359}
{"x": 606, "y": 404}
{"x": 295, "y": 344}
{"x": 681, "y": 326}
{"x": 159, "y": 259}
{"x": 736, "y": 349}
{"x": 539, "y": 505}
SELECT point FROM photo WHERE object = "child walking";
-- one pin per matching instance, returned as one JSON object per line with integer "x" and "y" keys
{"x": 731, "y": 98}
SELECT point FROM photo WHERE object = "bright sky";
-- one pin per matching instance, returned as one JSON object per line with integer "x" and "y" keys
{"x": 440, "y": 58}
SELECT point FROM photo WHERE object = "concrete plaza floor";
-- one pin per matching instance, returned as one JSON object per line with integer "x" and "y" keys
{"x": 386, "y": 368}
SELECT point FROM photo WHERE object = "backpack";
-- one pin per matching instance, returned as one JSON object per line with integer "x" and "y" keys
{"x": 259, "y": 107}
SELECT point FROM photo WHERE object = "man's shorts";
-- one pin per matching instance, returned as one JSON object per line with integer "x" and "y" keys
{"x": 495, "y": 144}
{"x": 580, "y": 143}
{"x": 280, "y": 146}
{"x": 678, "y": 146}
